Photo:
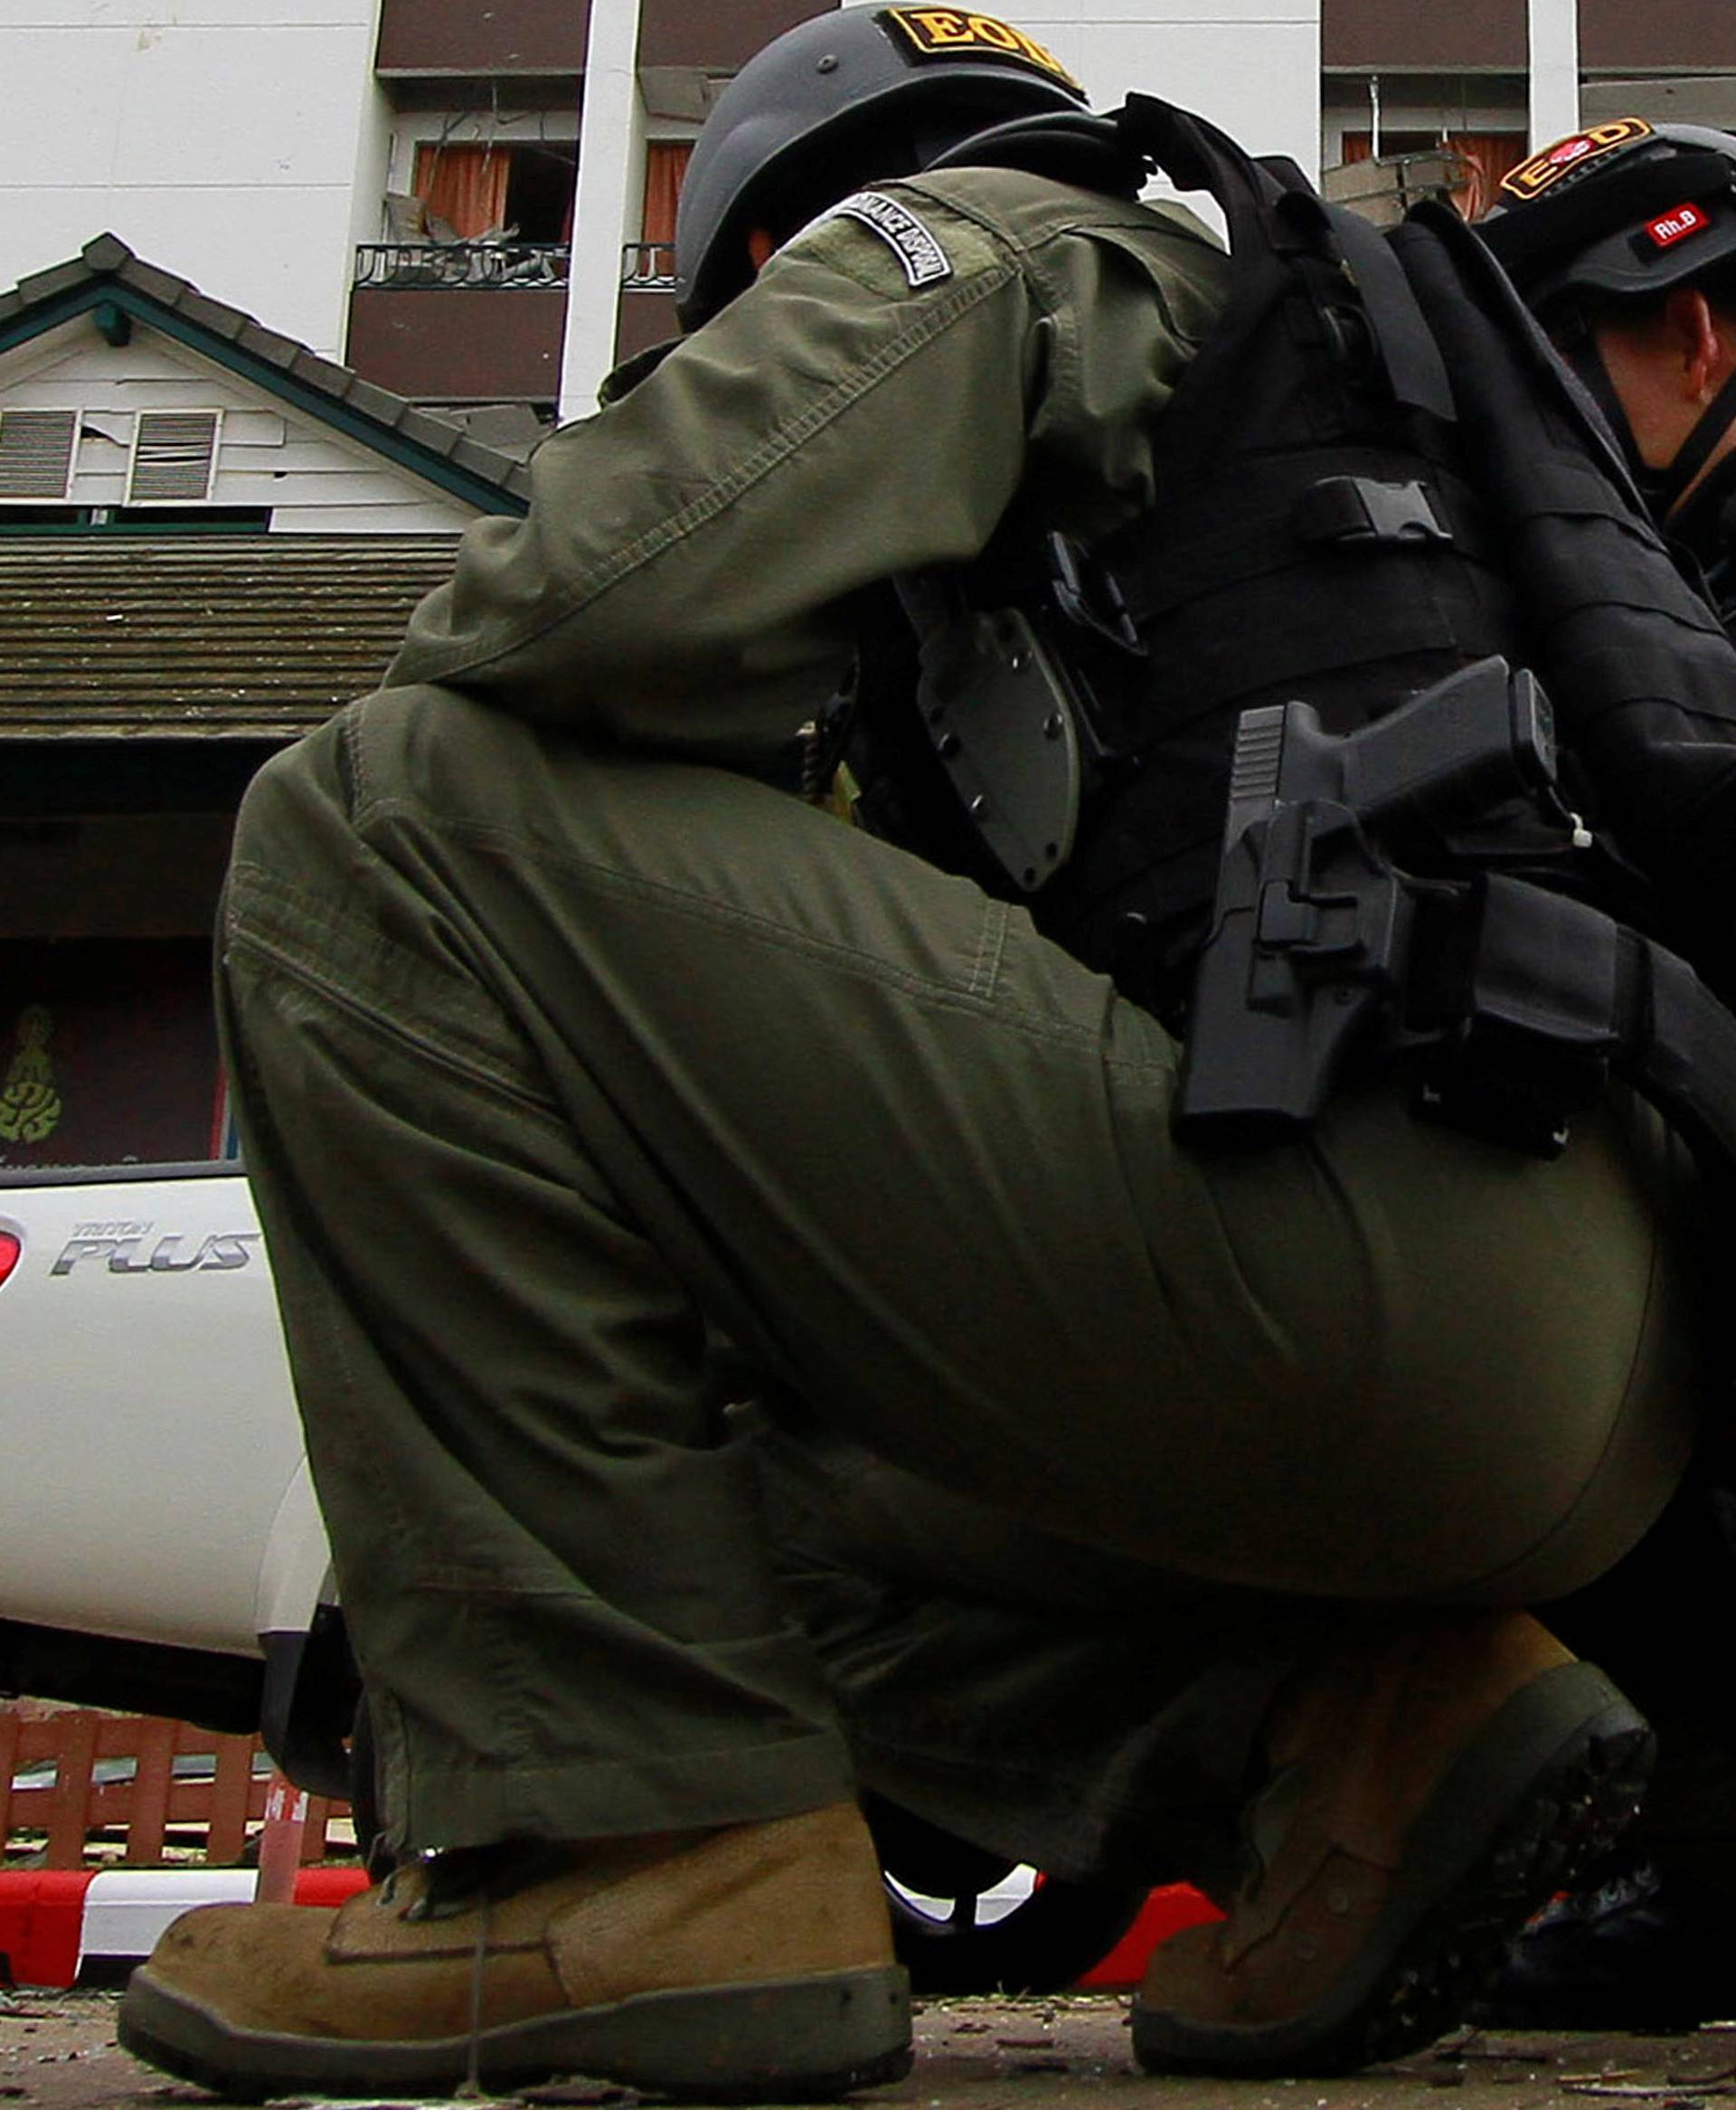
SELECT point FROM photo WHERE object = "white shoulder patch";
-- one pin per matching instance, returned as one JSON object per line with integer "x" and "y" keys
{"x": 910, "y": 240}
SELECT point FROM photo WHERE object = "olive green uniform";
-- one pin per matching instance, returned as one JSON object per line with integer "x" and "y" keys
{"x": 591, "y": 1086}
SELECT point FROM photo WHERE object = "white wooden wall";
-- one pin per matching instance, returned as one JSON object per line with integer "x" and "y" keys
{"x": 315, "y": 480}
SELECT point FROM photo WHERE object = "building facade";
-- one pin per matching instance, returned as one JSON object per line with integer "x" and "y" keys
{"x": 1491, "y": 80}
{"x": 473, "y": 204}
{"x": 467, "y": 204}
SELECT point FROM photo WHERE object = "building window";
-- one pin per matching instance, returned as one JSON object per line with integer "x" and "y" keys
{"x": 665, "y": 166}
{"x": 36, "y": 451}
{"x": 108, "y": 1046}
{"x": 650, "y": 262}
{"x": 468, "y": 192}
{"x": 175, "y": 457}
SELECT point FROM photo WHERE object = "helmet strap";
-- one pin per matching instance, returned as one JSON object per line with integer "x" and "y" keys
{"x": 1705, "y": 526}
{"x": 1695, "y": 450}
{"x": 1660, "y": 488}
{"x": 1582, "y": 355}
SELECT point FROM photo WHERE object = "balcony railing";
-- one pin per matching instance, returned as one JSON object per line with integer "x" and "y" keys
{"x": 648, "y": 267}
{"x": 441, "y": 266}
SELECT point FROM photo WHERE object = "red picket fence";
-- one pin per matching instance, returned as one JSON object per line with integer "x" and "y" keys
{"x": 208, "y": 1804}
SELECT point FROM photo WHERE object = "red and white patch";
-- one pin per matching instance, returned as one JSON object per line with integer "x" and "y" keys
{"x": 1676, "y": 225}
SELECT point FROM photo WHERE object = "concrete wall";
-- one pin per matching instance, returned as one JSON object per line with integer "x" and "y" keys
{"x": 465, "y": 346}
{"x": 606, "y": 200}
{"x": 1252, "y": 66}
{"x": 1384, "y": 36}
{"x": 481, "y": 36}
{"x": 225, "y": 139}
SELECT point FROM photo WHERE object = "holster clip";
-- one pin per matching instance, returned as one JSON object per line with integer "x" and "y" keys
{"x": 1538, "y": 1020}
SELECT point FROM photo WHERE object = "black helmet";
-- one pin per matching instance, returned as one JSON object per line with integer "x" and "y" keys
{"x": 1623, "y": 209}
{"x": 848, "y": 98}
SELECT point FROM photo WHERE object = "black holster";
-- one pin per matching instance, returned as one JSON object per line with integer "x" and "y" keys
{"x": 1510, "y": 1002}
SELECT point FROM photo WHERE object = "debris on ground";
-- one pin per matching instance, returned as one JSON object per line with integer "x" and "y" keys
{"x": 1066, "y": 2052}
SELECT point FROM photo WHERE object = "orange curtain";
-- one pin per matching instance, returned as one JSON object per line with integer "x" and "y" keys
{"x": 466, "y": 187}
{"x": 665, "y": 163}
{"x": 1487, "y": 157}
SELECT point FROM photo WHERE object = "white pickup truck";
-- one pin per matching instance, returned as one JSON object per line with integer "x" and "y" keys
{"x": 160, "y": 1545}
{"x": 161, "y": 1549}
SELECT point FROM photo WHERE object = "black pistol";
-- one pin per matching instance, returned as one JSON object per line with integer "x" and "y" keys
{"x": 1318, "y": 892}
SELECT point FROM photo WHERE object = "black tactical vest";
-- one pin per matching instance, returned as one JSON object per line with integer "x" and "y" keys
{"x": 1374, "y": 471}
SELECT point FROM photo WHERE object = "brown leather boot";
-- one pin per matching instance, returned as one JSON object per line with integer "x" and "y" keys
{"x": 1426, "y": 1793}
{"x": 749, "y": 1963}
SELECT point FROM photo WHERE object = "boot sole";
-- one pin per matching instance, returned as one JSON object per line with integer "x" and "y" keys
{"x": 778, "y": 2041}
{"x": 1551, "y": 1783}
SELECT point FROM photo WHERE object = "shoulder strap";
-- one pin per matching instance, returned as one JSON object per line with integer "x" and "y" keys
{"x": 1270, "y": 207}
{"x": 1195, "y": 156}
{"x": 1411, "y": 357}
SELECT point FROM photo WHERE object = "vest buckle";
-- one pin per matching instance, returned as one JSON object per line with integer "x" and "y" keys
{"x": 1362, "y": 509}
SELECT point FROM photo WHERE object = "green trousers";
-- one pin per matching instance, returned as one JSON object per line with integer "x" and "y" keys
{"x": 590, "y": 1097}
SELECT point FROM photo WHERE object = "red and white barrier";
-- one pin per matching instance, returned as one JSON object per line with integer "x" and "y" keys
{"x": 61, "y": 1925}
{"x": 64, "y": 1926}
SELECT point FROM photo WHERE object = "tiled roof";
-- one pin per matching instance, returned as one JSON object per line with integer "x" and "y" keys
{"x": 112, "y": 634}
{"x": 107, "y": 262}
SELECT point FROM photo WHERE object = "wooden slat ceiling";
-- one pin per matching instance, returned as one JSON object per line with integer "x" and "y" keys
{"x": 249, "y": 636}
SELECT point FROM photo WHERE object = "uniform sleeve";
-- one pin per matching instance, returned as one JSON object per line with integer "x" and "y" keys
{"x": 679, "y": 580}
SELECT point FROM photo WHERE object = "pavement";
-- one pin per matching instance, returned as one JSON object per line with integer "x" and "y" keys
{"x": 1070, "y": 2052}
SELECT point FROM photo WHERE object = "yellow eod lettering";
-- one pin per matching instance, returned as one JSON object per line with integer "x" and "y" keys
{"x": 935, "y": 33}
{"x": 1566, "y": 156}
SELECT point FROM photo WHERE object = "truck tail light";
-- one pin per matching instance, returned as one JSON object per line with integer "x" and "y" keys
{"x": 9, "y": 1250}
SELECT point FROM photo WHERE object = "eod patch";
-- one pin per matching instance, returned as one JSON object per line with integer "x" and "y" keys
{"x": 1532, "y": 177}
{"x": 926, "y": 33}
